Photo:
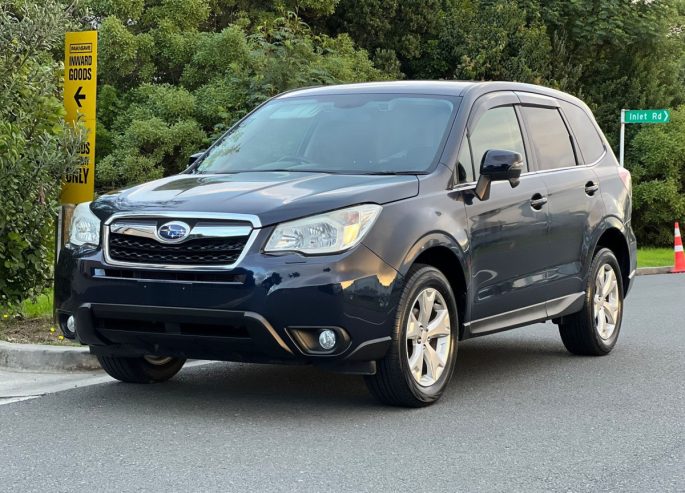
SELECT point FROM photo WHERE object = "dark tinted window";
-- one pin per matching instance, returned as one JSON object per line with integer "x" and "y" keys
{"x": 549, "y": 137}
{"x": 589, "y": 141}
{"x": 498, "y": 128}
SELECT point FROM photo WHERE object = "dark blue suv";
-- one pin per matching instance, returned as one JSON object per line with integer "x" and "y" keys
{"x": 363, "y": 228}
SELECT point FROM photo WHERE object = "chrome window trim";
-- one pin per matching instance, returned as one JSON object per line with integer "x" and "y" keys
{"x": 252, "y": 219}
{"x": 467, "y": 185}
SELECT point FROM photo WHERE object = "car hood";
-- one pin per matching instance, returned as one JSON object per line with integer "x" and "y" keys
{"x": 272, "y": 196}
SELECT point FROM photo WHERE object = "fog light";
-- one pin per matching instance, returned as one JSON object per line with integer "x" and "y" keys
{"x": 327, "y": 339}
{"x": 71, "y": 324}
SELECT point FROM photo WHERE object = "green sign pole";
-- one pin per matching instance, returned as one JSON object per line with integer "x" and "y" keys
{"x": 640, "y": 116}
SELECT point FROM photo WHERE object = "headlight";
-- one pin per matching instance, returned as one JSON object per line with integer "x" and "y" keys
{"x": 332, "y": 232}
{"x": 85, "y": 226}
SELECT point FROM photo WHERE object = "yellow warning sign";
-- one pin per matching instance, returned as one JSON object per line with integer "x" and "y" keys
{"x": 80, "y": 87}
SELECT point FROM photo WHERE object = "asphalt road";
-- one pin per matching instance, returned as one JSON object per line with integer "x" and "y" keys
{"x": 520, "y": 415}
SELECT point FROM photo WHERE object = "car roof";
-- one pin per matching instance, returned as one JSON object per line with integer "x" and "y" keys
{"x": 428, "y": 87}
{"x": 445, "y": 88}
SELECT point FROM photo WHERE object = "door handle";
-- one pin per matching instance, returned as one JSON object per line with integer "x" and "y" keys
{"x": 537, "y": 201}
{"x": 591, "y": 188}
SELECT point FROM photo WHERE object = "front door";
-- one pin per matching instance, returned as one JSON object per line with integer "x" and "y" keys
{"x": 508, "y": 232}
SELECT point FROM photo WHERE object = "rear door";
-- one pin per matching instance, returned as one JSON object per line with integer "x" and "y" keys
{"x": 508, "y": 231}
{"x": 574, "y": 202}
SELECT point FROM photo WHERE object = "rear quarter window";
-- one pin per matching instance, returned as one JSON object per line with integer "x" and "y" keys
{"x": 588, "y": 139}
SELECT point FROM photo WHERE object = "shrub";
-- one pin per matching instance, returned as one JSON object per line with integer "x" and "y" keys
{"x": 656, "y": 159}
{"x": 36, "y": 147}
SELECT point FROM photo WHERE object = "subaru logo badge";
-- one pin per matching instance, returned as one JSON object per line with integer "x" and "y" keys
{"x": 173, "y": 232}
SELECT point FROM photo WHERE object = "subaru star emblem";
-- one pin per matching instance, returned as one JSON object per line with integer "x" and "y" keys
{"x": 173, "y": 232}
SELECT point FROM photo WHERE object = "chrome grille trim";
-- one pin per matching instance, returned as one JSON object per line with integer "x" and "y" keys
{"x": 133, "y": 224}
{"x": 201, "y": 230}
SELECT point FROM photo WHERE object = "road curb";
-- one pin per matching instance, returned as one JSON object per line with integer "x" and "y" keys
{"x": 648, "y": 271}
{"x": 38, "y": 357}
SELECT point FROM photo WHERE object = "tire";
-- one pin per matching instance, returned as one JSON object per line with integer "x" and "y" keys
{"x": 398, "y": 381}
{"x": 145, "y": 369}
{"x": 583, "y": 333}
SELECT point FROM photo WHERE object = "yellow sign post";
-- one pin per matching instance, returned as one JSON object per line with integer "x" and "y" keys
{"x": 80, "y": 86}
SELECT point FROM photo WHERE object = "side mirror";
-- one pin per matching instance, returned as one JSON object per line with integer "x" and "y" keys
{"x": 195, "y": 157}
{"x": 498, "y": 165}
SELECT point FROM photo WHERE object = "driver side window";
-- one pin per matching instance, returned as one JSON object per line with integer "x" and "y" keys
{"x": 498, "y": 128}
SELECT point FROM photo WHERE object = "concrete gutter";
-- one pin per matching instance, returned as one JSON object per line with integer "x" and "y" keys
{"x": 647, "y": 271}
{"x": 43, "y": 358}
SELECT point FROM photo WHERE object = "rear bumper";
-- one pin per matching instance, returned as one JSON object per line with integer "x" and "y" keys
{"x": 248, "y": 314}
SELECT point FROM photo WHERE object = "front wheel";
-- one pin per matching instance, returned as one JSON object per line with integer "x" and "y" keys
{"x": 144, "y": 369}
{"x": 593, "y": 331}
{"x": 421, "y": 359}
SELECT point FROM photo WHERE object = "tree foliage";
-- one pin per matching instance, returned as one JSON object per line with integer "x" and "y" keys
{"x": 36, "y": 147}
{"x": 170, "y": 86}
{"x": 657, "y": 163}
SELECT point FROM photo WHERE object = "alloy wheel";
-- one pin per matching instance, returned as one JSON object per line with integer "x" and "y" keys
{"x": 429, "y": 337}
{"x": 607, "y": 303}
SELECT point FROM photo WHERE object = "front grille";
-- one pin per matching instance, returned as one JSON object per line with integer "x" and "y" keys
{"x": 199, "y": 251}
{"x": 204, "y": 241}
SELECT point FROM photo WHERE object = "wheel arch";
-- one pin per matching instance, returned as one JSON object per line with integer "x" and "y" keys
{"x": 612, "y": 236}
{"x": 444, "y": 253}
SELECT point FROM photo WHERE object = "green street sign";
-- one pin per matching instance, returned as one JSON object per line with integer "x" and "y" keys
{"x": 646, "y": 116}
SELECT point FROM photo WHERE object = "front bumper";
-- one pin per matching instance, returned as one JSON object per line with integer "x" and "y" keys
{"x": 250, "y": 313}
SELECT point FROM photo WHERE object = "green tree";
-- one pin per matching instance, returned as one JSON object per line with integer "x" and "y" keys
{"x": 36, "y": 147}
{"x": 656, "y": 159}
{"x": 450, "y": 39}
{"x": 498, "y": 40}
{"x": 168, "y": 87}
{"x": 399, "y": 33}
{"x": 626, "y": 53}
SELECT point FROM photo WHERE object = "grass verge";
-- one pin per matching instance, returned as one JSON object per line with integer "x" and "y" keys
{"x": 654, "y": 257}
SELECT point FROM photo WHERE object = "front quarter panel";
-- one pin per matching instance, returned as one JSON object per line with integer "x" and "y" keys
{"x": 433, "y": 218}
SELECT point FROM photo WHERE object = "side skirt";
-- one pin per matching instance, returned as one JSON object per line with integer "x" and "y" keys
{"x": 539, "y": 312}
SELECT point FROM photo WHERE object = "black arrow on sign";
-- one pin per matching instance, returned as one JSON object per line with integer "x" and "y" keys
{"x": 78, "y": 96}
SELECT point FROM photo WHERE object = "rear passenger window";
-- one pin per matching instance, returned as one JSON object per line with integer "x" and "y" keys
{"x": 589, "y": 141}
{"x": 497, "y": 129}
{"x": 549, "y": 137}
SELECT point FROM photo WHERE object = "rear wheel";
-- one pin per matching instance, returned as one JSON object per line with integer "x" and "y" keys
{"x": 593, "y": 331}
{"x": 420, "y": 362}
{"x": 145, "y": 369}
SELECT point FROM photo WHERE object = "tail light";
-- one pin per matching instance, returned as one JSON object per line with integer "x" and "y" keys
{"x": 624, "y": 174}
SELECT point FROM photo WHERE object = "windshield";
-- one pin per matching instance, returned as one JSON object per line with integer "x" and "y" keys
{"x": 353, "y": 133}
